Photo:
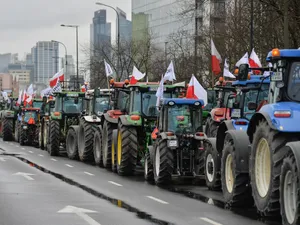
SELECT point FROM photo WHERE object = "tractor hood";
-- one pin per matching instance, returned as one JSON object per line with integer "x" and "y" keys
{"x": 283, "y": 115}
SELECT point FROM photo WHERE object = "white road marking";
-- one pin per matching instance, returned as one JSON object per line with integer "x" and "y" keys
{"x": 17, "y": 146}
{"x": 157, "y": 199}
{"x": 68, "y": 165}
{"x": 2, "y": 159}
{"x": 210, "y": 221}
{"x": 30, "y": 151}
{"x": 114, "y": 183}
{"x": 89, "y": 173}
{"x": 53, "y": 159}
{"x": 82, "y": 213}
{"x": 41, "y": 155}
{"x": 25, "y": 175}
{"x": 23, "y": 148}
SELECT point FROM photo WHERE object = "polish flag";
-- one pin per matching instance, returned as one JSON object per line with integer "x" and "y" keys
{"x": 215, "y": 59}
{"x": 19, "y": 99}
{"x": 243, "y": 60}
{"x": 24, "y": 95}
{"x": 136, "y": 75}
{"x": 59, "y": 75}
{"x": 196, "y": 91}
{"x": 83, "y": 89}
{"x": 254, "y": 62}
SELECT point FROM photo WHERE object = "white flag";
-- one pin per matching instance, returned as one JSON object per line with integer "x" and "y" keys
{"x": 108, "y": 69}
{"x": 226, "y": 72}
{"x": 30, "y": 90}
{"x": 243, "y": 60}
{"x": 57, "y": 87}
{"x": 170, "y": 74}
{"x": 160, "y": 92}
{"x": 20, "y": 98}
{"x": 46, "y": 92}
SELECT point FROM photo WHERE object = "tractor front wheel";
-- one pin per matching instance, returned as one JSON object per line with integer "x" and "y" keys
{"x": 86, "y": 141}
{"x": 41, "y": 136}
{"x": 17, "y": 130}
{"x": 163, "y": 163}
{"x": 212, "y": 167}
{"x": 127, "y": 150}
{"x": 148, "y": 169}
{"x": 22, "y": 138}
{"x": 98, "y": 146}
{"x": 235, "y": 185}
{"x": 8, "y": 128}
{"x": 72, "y": 144}
{"x": 107, "y": 144}
{"x": 54, "y": 139}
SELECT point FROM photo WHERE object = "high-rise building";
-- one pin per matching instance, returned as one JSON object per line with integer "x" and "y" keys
{"x": 5, "y": 59}
{"x": 69, "y": 68}
{"x": 45, "y": 59}
{"x": 6, "y": 82}
{"x": 125, "y": 26}
{"x": 100, "y": 34}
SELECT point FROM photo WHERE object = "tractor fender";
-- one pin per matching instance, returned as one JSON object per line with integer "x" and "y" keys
{"x": 92, "y": 119}
{"x": 221, "y": 133}
{"x": 254, "y": 121}
{"x": 125, "y": 121}
{"x": 294, "y": 146}
{"x": 241, "y": 143}
{"x": 109, "y": 119}
{"x": 212, "y": 141}
{"x": 75, "y": 128}
{"x": 9, "y": 114}
{"x": 151, "y": 152}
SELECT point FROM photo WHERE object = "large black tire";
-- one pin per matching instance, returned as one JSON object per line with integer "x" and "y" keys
{"x": 211, "y": 128}
{"x": 46, "y": 136}
{"x": 290, "y": 202}
{"x": 98, "y": 146}
{"x": 72, "y": 144}
{"x": 238, "y": 194}
{"x": 268, "y": 204}
{"x": 106, "y": 144}
{"x": 127, "y": 150}
{"x": 54, "y": 137}
{"x": 17, "y": 131}
{"x": 86, "y": 141}
{"x": 41, "y": 136}
{"x": 114, "y": 145}
{"x": 212, "y": 167}
{"x": 22, "y": 137}
{"x": 163, "y": 163}
{"x": 200, "y": 161}
{"x": 148, "y": 169}
{"x": 8, "y": 129}
{"x": 36, "y": 138}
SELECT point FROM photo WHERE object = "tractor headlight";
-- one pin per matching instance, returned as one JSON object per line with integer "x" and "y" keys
{"x": 25, "y": 127}
{"x": 171, "y": 103}
{"x": 197, "y": 103}
{"x": 172, "y": 143}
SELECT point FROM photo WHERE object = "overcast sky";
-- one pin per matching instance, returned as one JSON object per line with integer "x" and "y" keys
{"x": 24, "y": 22}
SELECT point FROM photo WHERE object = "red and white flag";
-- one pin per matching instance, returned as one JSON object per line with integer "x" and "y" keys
{"x": 58, "y": 76}
{"x": 29, "y": 93}
{"x": 19, "y": 99}
{"x": 215, "y": 59}
{"x": 226, "y": 72}
{"x": 254, "y": 62}
{"x": 196, "y": 91}
{"x": 136, "y": 75}
{"x": 24, "y": 95}
{"x": 243, "y": 60}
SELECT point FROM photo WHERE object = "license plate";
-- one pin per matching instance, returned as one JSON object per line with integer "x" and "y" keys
{"x": 172, "y": 143}
{"x": 24, "y": 127}
{"x": 277, "y": 76}
{"x": 236, "y": 113}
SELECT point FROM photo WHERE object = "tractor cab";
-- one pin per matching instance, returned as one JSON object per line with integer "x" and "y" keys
{"x": 68, "y": 103}
{"x": 30, "y": 116}
{"x": 98, "y": 101}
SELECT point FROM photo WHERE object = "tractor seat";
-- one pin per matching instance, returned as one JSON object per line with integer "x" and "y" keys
{"x": 71, "y": 109}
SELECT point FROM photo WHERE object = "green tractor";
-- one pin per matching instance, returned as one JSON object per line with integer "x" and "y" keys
{"x": 8, "y": 117}
{"x": 97, "y": 103}
{"x": 64, "y": 120}
{"x": 135, "y": 127}
{"x": 177, "y": 148}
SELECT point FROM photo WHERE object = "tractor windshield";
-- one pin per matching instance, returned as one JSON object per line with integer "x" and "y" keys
{"x": 30, "y": 115}
{"x": 293, "y": 89}
{"x": 70, "y": 105}
{"x": 37, "y": 104}
{"x": 148, "y": 103}
{"x": 101, "y": 104}
{"x": 211, "y": 100}
{"x": 184, "y": 119}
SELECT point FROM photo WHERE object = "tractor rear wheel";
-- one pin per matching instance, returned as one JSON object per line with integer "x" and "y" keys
{"x": 163, "y": 163}
{"x": 22, "y": 136}
{"x": 98, "y": 146}
{"x": 86, "y": 141}
{"x": 72, "y": 144}
{"x": 266, "y": 160}
{"x": 211, "y": 128}
{"x": 290, "y": 191}
{"x": 41, "y": 136}
{"x": 17, "y": 131}
{"x": 45, "y": 135}
{"x": 106, "y": 144}
{"x": 54, "y": 138}
{"x": 127, "y": 150}
{"x": 114, "y": 145}
{"x": 235, "y": 185}
{"x": 212, "y": 167}
{"x": 148, "y": 169}
{"x": 8, "y": 128}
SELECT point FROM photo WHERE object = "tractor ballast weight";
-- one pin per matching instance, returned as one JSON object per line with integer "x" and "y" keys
{"x": 177, "y": 149}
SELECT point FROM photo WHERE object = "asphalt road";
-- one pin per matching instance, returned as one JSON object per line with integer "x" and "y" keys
{"x": 141, "y": 200}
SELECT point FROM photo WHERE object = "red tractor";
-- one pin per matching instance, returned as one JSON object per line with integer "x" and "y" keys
{"x": 224, "y": 93}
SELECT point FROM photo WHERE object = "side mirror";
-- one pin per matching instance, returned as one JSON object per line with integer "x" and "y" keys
{"x": 252, "y": 106}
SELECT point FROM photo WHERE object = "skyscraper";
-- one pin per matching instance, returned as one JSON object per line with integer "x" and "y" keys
{"x": 70, "y": 69}
{"x": 100, "y": 34}
{"x": 125, "y": 26}
{"x": 5, "y": 59}
{"x": 45, "y": 59}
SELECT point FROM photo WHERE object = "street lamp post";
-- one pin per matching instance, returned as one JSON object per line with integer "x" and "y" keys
{"x": 118, "y": 33}
{"x": 66, "y": 53}
{"x": 166, "y": 43}
{"x": 77, "y": 64}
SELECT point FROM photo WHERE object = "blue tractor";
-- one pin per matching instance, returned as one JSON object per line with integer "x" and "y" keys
{"x": 265, "y": 158}
{"x": 177, "y": 146}
{"x": 251, "y": 91}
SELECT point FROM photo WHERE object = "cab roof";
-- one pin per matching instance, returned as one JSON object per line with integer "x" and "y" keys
{"x": 285, "y": 53}
{"x": 181, "y": 101}
{"x": 254, "y": 79}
